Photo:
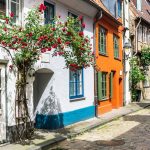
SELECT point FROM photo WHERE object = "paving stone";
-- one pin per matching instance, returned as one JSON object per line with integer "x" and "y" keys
{"x": 132, "y": 131}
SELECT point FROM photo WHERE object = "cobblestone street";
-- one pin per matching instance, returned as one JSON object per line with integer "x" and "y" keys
{"x": 131, "y": 132}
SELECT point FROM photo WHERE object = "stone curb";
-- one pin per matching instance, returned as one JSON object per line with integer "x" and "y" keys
{"x": 45, "y": 145}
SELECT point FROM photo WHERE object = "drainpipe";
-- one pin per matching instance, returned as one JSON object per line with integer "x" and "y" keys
{"x": 136, "y": 37}
{"x": 98, "y": 16}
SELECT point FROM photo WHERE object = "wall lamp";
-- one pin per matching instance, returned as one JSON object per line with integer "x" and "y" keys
{"x": 127, "y": 49}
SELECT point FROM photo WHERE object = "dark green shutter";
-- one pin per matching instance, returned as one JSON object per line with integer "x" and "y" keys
{"x": 111, "y": 84}
{"x": 99, "y": 85}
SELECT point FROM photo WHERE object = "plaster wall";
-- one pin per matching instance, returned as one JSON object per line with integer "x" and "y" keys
{"x": 57, "y": 88}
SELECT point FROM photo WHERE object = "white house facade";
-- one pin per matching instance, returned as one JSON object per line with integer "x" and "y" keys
{"x": 57, "y": 96}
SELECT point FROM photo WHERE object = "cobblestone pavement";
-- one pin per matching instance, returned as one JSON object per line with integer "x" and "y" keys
{"x": 131, "y": 132}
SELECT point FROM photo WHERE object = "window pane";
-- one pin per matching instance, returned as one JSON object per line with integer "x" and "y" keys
{"x": 104, "y": 88}
{"x": 119, "y": 8}
{"x": 49, "y": 13}
{"x": 102, "y": 40}
{"x": 79, "y": 88}
{"x": 3, "y": 7}
{"x": 15, "y": 1}
{"x": 116, "y": 46}
{"x": 79, "y": 75}
{"x": 72, "y": 89}
{"x": 15, "y": 10}
{"x": 76, "y": 83}
{"x": 72, "y": 76}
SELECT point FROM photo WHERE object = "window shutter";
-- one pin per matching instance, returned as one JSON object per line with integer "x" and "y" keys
{"x": 99, "y": 84}
{"x": 111, "y": 84}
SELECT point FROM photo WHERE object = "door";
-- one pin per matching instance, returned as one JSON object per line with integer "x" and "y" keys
{"x": 2, "y": 104}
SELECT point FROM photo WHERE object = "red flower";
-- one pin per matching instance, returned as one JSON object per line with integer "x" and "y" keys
{"x": 54, "y": 46}
{"x": 60, "y": 53}
{"x": 86, "y": 40}
{"x": 42, "y": 7}
{"x": 6, "y": 20}
{"x": 83, "y": 25}
{"x": 53, "y": 29}
{"x": 10, "y": 67}
{"x": 24, "y": 44}
{"x": 80, "y": 18}
{"x": 11, "y": 14}
{"x": 81, "y": 33}
{"x": 43, "y": 50}
{"x": 67, "y": 43}
{"x": 30, "y": 34}
{"x": 93, "y": 53}
{"x": 64, "y": 29}
{"x": 68, "y": 33}
{"x": 49, "y": 49}
{"x": 5, "y": 29}
{"x": 59, "y": 40}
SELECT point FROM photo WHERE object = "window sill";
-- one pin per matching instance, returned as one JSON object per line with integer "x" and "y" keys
{"x": 117, "y": 58}
{"x": 77, "y": 99}
{"x": 104, "y": 99}
{"x": 146, "y": 86}
{"x": 102, "y": 54}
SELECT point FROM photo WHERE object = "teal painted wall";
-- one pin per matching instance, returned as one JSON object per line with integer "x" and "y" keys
{"x": 63, "y": 119}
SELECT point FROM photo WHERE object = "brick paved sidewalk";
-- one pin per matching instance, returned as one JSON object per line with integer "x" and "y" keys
{"x": 43, "y": 138}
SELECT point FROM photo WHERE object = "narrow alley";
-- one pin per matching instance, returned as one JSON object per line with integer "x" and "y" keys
{"x": 130, "y": 132}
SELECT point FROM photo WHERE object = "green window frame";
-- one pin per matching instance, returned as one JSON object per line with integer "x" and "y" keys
{"x": 116, "y": 46}
{"x": 111, "y": 84}
{"x": 102, "y": 85}
{"x": 102, "y": 40}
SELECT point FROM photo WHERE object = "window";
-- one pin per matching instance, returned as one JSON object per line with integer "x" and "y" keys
{"x": 114, "y": 6}
{"x": 3, "y": 7}
{"x": 77, "y": 24}
{"x": 139, "y": 5}
{"x": 102, "y": 40}
{"x": 116, "y": 46}
{"x": 76, "y": 84}
{"x": 119, "y": 8}
{"x": 0, "y": 90}
{"x": 102, "y": 85}
{"x": 140, "y": 33}
{"x": 146, "y": 82}
{"x": 13, "y": 6}
{"x": 49, "y": 13}
{"x": 144, "y": 34}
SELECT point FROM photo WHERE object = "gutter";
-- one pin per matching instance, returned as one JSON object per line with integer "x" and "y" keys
{"x": 98, "y": 16}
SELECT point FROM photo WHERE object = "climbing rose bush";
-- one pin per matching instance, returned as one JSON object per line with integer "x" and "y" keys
{"x": 65, "y": 39}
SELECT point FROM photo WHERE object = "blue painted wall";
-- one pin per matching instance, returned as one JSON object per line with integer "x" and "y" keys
{"x": 64, "y": 119}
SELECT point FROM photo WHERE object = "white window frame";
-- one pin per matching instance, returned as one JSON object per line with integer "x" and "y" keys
{"x": 8, "y": 10}
{"x": 140, "y": 33}
{"x": 144, "y": 34}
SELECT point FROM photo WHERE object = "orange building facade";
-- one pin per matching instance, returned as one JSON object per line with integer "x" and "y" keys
{"x": 109, "y": 32}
